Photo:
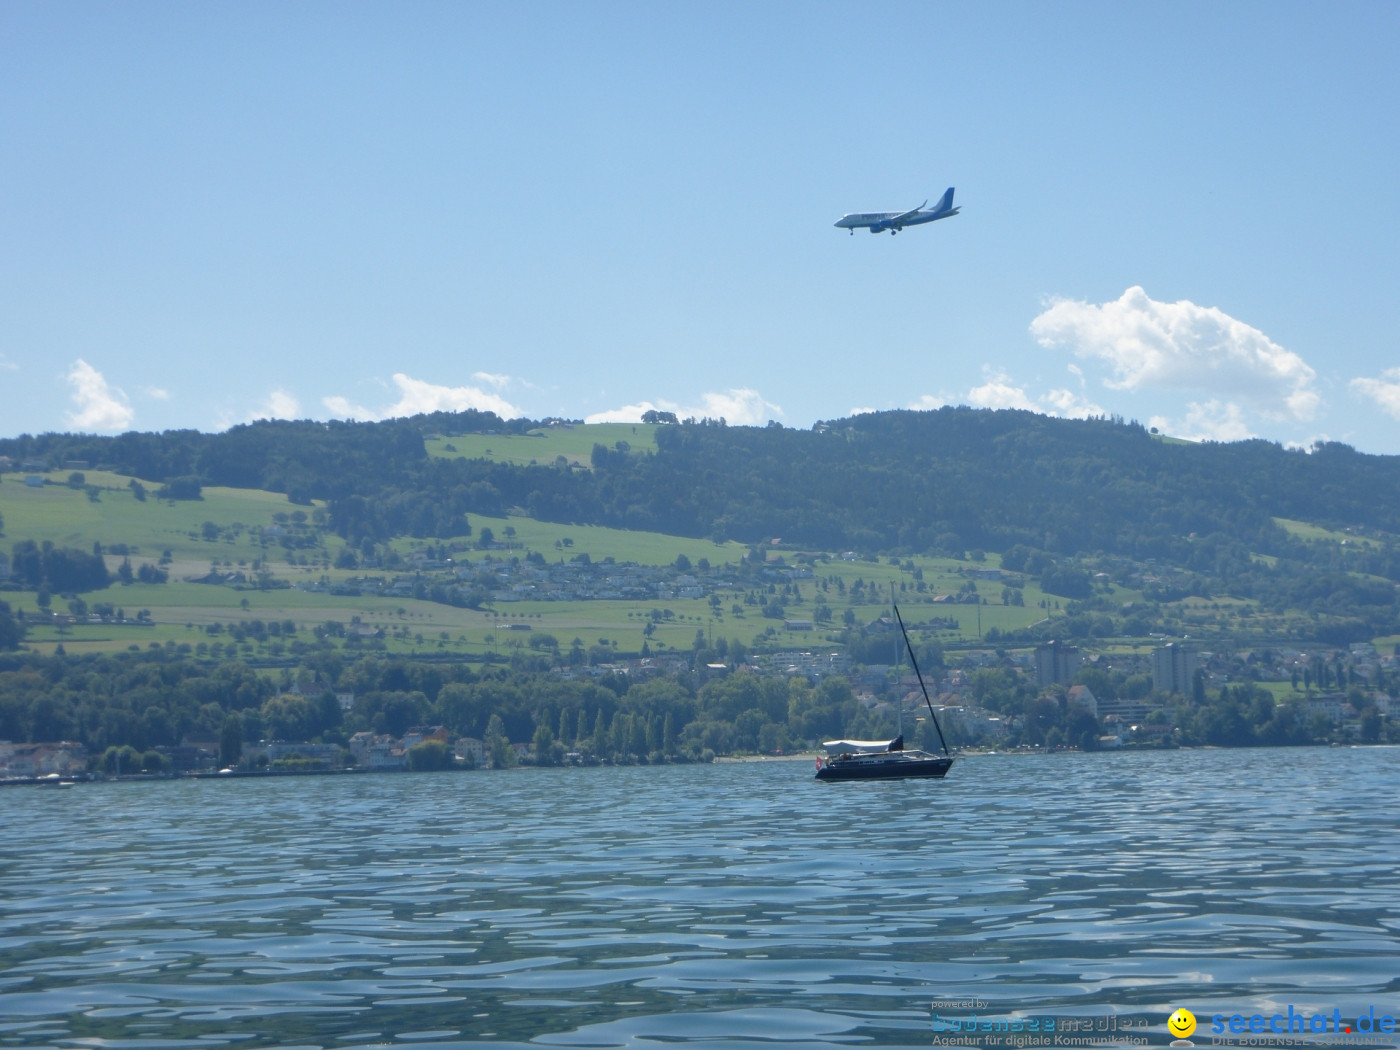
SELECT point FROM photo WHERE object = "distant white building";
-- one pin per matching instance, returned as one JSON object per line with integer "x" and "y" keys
{"x": 1334, "y": 706}
{"x": 471, "y": 750}
{"x": 381, "y": 751}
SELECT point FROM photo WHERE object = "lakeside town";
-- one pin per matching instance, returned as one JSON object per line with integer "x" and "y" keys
{"x": 1338, "y": 696}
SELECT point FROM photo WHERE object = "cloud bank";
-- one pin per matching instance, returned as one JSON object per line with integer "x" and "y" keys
{"x": 742, "y": 407}
{"x": 1184, "y": 347}
{"x": 97, "y": 406}
{"x": 279, "y": 405}
{"x": 1207, "y": 421}
{"x": 999, "y": 391}
{"x": 417, "y": 396}
{"x": 1384, "y": 391}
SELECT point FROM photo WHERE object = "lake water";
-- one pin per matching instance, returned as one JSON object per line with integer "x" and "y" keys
{"x": 723, "y": 905}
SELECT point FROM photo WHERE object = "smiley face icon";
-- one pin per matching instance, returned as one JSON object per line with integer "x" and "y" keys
{"x": 1182, "y": 1023}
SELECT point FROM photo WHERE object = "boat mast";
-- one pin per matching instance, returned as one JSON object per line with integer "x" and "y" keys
{"x": 914, "y": 660}
{"x": 898, "y": 692}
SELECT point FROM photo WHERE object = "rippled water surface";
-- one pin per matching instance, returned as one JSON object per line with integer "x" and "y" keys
{"x": 725, "y": 904}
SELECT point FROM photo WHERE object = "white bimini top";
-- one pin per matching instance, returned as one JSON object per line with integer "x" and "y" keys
{"x": 837, "y": 747}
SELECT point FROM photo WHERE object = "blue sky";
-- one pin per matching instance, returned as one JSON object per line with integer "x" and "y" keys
{"x": 1179, "y": 213}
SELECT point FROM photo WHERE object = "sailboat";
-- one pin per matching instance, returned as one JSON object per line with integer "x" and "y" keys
{"x": 886, "y": 759}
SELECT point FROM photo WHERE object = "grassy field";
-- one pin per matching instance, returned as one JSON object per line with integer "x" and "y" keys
{"x": 520, "y": 535}
{"x": 226, "y": 529}
{"x": 180, "y": 612}
{"x": 1304, "y": 530}
{"x": 70, "y": 518}
{"x": 574, "y": 442}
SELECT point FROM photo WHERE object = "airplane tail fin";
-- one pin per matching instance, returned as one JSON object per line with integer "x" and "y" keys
{"x": 946, "y": 201}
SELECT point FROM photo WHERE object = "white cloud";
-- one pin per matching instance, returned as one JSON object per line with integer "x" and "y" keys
{"x": 1207, "y": 421}
{"x": 1070, "y": 405}
{"x": 492, "y": 378}
{"x": 417, "y": 396}
{"x": 157, "y": 393}
{"x": 931, "y": 402}
{"x": 1385, "y": 391}
{"x": 98, "y": 406}
{"x": 1181, "y": 346}
{"x": 341, "y": 408}
{"x": 1310, "y": 445}
{"x": 7, "y": 364}
{"x": 629, "y": 413}
{"x": 860, "y": 411}
{"x": 279, "y": 405}
{"x": 999, "y": 392}
{"x": 741, "y": 407}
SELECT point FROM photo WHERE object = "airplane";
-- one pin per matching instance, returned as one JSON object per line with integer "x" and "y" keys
{"x": 894, "y": 221}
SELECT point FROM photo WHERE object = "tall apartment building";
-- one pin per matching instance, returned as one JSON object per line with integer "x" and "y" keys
{"x": 1056, "y": 662}
{"x": 1173, "y": 668}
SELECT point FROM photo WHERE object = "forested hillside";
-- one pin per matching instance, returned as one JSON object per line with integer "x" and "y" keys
{"x": 949, "y": 480}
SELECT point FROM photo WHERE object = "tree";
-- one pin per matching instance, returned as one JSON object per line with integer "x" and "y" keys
{"x": 498, "y": 744}
{"x": 121, "y": 761}
{"x": 544, "y": 745}
{"x": 429, "y": 755}
{"x": 187, "y": 487}
{"x": 58, "y": 568}
{"x": 231, "y": 741}
{"x": 11, "y": 630}
{"x": 1370, "y": 725}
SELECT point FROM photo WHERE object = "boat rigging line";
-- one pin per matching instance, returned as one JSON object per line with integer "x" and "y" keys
{"x": 914, "y": 660}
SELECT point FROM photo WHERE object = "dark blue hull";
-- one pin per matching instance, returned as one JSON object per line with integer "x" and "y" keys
{"x": 895, "y": 765}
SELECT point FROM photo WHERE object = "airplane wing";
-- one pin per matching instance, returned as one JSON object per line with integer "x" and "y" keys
{"x": 905, "y": 216}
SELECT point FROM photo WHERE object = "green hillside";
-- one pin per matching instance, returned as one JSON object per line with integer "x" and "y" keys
{"x": 234, "y": 530}
{"x": 1107, "y": 532}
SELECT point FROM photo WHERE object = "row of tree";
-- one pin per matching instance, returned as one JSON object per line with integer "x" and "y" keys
{"x": 157, "y": 699}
